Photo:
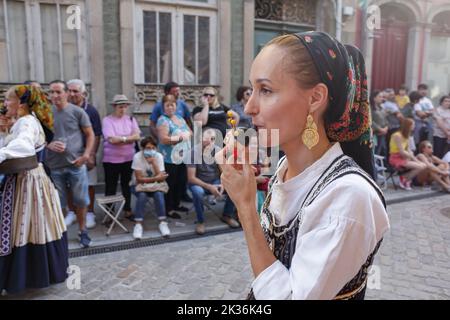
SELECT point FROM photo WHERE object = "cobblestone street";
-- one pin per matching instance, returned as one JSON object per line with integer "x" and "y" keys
{"x": 413, "y": 263}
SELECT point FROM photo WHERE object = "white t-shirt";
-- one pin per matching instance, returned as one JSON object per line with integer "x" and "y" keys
{"x": 446, "y": 158}
{"x": 339, "y": 231}
{"x": 424, "y": 105}
{"x": 26, "y": 136}
{"x": 427, "y": 104}
{"x": 140, "y": 164}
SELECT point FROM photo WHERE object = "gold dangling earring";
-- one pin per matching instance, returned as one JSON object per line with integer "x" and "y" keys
{"x": 310, "y": 135}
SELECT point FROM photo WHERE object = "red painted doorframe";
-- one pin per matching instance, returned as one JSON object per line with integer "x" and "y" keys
{"x": 389, "y": 55}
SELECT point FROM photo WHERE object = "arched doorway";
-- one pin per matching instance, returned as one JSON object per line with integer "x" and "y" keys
{"x": 438, "y": 62}
{"x": 390, "y": 46}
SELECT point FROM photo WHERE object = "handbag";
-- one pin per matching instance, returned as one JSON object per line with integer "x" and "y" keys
{"x": 153, "y": 187}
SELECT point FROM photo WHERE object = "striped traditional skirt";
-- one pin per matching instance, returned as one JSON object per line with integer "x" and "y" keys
{"x": 33, "y": 239}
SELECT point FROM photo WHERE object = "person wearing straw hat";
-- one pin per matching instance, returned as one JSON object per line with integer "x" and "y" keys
{"x": 120, "y": 133}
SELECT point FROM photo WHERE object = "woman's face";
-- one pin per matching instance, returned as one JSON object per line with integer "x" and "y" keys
{"x": 428, "y": 149}
{"x": 446, "y": 103}
{"x": 277, "y": 103}
{"x": 210, "y": 95}
{"x": 150, "y": 146}
{"x": 120, "y": 110}
{"x": 170, "y": 108}
{"x": 246, "y": 97}
{"x": 12, "y": 104}
{"x": 378, "y": 99}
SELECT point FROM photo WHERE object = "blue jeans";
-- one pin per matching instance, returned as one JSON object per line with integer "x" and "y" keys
{"x": 141, "y": 200}
{"x": 381, "y": 146}
{"x": 77, "y": 180}
{"x": 198, "y": 193}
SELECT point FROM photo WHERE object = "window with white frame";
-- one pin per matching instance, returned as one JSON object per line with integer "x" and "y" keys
{"x": 176, "y": 43}
{"x": 40, "y": 40}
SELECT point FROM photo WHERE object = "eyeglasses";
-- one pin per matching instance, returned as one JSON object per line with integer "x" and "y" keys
{"x": 209, "y": 95}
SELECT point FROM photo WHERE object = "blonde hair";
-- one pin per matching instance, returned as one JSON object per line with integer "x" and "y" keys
{"x": 301, "y": 65}
{"x": 216, "y": 95}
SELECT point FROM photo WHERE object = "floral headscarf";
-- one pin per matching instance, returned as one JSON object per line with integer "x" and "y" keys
{"x": 37, "y": 101}
{"x": 342, "y": 69}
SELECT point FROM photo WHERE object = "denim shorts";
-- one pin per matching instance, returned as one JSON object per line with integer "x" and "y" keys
{"x": 76, "y": 178}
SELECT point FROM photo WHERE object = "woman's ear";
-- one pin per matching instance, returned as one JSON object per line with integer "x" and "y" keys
{"x": 318, "y": 99}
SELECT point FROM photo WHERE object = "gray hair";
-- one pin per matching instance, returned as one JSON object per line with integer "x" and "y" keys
{"x": 79, "y": 83}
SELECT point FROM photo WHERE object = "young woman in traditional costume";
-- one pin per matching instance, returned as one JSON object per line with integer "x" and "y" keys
{"x": 324, "y": 217}
{"x": 33, "y": 242}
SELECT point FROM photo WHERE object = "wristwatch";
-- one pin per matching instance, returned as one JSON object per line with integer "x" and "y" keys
{"x": 124, "y": 139}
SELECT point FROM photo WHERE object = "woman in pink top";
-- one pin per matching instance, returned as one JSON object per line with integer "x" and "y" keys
{"x": 120, "y": 133}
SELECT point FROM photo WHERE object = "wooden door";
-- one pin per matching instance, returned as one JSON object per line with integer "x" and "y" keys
{"x": 389, "y": 56}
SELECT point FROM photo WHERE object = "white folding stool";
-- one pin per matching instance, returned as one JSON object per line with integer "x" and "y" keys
{"x": 108, "y": 205}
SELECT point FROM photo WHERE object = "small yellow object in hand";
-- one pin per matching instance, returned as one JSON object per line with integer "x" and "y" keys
{"x": 233, "y": 122}
{"x": 230, "y": 114}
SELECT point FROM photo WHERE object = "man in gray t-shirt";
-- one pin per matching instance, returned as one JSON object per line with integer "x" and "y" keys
{"x": 68, "y": 124}
{"x": 204, "y": 178}
{"x": 67, "y": 154}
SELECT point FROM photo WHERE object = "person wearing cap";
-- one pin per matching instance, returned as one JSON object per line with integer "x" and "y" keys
{"x": 68, "y": 154}
{"x": 120, "y": 133}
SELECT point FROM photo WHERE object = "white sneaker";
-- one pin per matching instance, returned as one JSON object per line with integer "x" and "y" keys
{"x": 70, "y": 218}
{"x": 137, "y": 232}
{"x": 90, "y": 220}
{"x": 164, "y": 228}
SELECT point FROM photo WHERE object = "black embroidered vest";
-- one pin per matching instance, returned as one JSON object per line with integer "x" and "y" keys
{"x": 282, "y": 240}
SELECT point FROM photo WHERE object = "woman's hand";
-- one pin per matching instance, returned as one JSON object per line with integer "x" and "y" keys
{"x": 204, "y": 101}
{"x": 115, "y": 140}
{"x": 240, "y": 185}
{"x": 162, "y": 176}
{"x": 152, "y": 161}
{"x": 5, "y": 123}
{"x": 186, "y": 135}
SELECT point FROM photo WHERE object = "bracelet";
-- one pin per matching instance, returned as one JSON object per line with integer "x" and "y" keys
{"x": 124, "y": 139}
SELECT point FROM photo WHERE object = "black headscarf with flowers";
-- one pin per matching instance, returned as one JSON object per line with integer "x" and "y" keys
{"x": 347, "y": 120}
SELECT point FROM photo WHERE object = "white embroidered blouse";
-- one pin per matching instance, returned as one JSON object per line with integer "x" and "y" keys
{"x": 25, "y": 138}
{"x": 339, "y": 230}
